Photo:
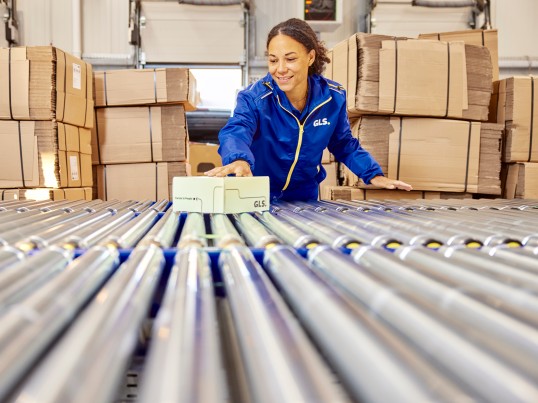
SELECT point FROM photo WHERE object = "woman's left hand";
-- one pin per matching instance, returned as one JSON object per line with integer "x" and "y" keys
{"x": 386, "y": 183}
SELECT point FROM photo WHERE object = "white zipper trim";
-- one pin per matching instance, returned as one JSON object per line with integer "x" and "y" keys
{"x": 300, "y": 141}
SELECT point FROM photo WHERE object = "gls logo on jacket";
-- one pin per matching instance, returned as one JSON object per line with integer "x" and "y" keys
{"x": 321, "y": 122}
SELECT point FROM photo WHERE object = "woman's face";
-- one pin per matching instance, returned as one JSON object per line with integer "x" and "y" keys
{"x": 288, "y": 64}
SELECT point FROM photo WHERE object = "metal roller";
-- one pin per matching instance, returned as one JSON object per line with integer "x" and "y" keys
{"x": 193, "y": 232}
{"x": 107, "y": 356}
{"x": 224, "y": 232}
{"x": 28, "y": 217}
{"x": 22, "y": 279}
{"x": 514, "y": 341}
{"x": 522, "y": 258}
{"x": 354, "y": 227}
{"x": 326, "y": 234}
{"x": 110, "y": 321}
{"x": 185, "y": 350}
{"x": 93, "y": 234}
{"x": 361, "y": 345}
{"x": 128, "y": 234}
{"x": 255, "y": 233}
{"x": 99, "y": 344}
{"x": 281, "y": 364}
{"x": 472, "y": 366}
{"x": 38, "y": 320}
{"x": 56, "y": 234}
{"x": 288, "y": 233}
{"x": 15, "y": 235}
{"x": 10, "y": 255}
{"x": 496, "y": 269}
{"x": 164, "y": 231}
{"x": 515, "y": 302}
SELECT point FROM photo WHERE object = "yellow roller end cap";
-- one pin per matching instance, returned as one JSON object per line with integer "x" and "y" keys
{"x": 311, "y": 245}
{"x": 353, "y": 245}
{"x": 393, "y": 245}
{"x": 513, "y": 244}
{"x": 433, "y": 245}
{"x": 473, "y": 245}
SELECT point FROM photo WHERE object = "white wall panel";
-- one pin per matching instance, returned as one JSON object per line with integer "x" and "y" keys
{"x": 3, "y": 41}
{"x": 517, "y": 22}
{"x": 407, "y": 20}
{"x": 179, "y": 33}
{"x": 105, "y": 33}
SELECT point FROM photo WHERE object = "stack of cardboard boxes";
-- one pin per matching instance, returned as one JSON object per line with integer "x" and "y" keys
{"x": 46, "y": 112}
{"x": 420, "y": 107}
{"x": 140, "y": 138}
{"x": 515, "y": 104}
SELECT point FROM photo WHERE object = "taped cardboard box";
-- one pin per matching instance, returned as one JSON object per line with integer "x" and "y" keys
{"x": 146, "y": 181}
{"x": 390, "y": 75}
{"x": 140, "y": 134}
{"x": 478, "y": 37}
{"x": 203, "y": 157}
{"x": 145, "y": 87}
{"x": 521, "y": 181}
{"x": 225, "y": 195}
{"x": 517, "y": 108}
{"x": 45, "y": 83}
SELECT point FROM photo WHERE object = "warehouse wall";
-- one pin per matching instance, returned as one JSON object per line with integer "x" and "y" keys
{"x": 104, "y": 27}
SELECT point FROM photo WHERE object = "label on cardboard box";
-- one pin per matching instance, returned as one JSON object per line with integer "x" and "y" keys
{"x": 73, "y": 162}
{"x": 77, "y": 82}
{"x": 221, "y": 195}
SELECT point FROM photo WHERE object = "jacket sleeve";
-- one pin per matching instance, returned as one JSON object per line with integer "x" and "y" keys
{"x": 236, "y": 136}
{"x": 348, "y": 150}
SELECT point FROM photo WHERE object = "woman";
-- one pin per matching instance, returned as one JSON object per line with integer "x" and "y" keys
{"x": 283, "y": 122}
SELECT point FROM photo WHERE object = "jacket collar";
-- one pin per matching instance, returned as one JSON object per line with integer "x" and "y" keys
{"x": 317, "y": 86}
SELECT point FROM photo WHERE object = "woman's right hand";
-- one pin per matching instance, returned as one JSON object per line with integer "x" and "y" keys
{"x": 238, "y": 167}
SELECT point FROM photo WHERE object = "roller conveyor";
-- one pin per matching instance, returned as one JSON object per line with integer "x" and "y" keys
{"x": 312, "y": 301}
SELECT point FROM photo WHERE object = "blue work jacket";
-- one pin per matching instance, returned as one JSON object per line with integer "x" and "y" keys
{"x": 287, "y": 145}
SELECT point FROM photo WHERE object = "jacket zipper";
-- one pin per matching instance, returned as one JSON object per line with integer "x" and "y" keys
{"x": 300, "y": 141}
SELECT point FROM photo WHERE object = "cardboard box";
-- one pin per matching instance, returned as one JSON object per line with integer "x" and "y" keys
{"x": 430, "y": 154}
{"x": 47, "y": 194}
{"x": 146, "y": 181}
{"x": 517, "y": 109}
{"x": 221, "y": 195}
{"x": 19, "y": 156}
{"x": 140, "y": 134}
{"x": 422, "y": 78}
{"x": 521, "y": 181}
{"x": 328, "y": 73}
{"x": 327, "y": 157}
{"x": 435, "y": 154}
{"x": 400, "y": 76}
{"x": 145, "y": 87}
{"x": 9, "y": 194}
{"x": 351, "y": 193}
{"x": 477, "y": 37}
{"x": 45, "y": 83}
{"x": 203, "y": 157}
{"x": 75, "y": 156}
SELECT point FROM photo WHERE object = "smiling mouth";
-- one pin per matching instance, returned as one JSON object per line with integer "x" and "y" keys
{"x": 284, "y": 79}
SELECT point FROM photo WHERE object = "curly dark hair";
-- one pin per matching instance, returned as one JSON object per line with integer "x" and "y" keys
{"x": 304, "y": 34}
